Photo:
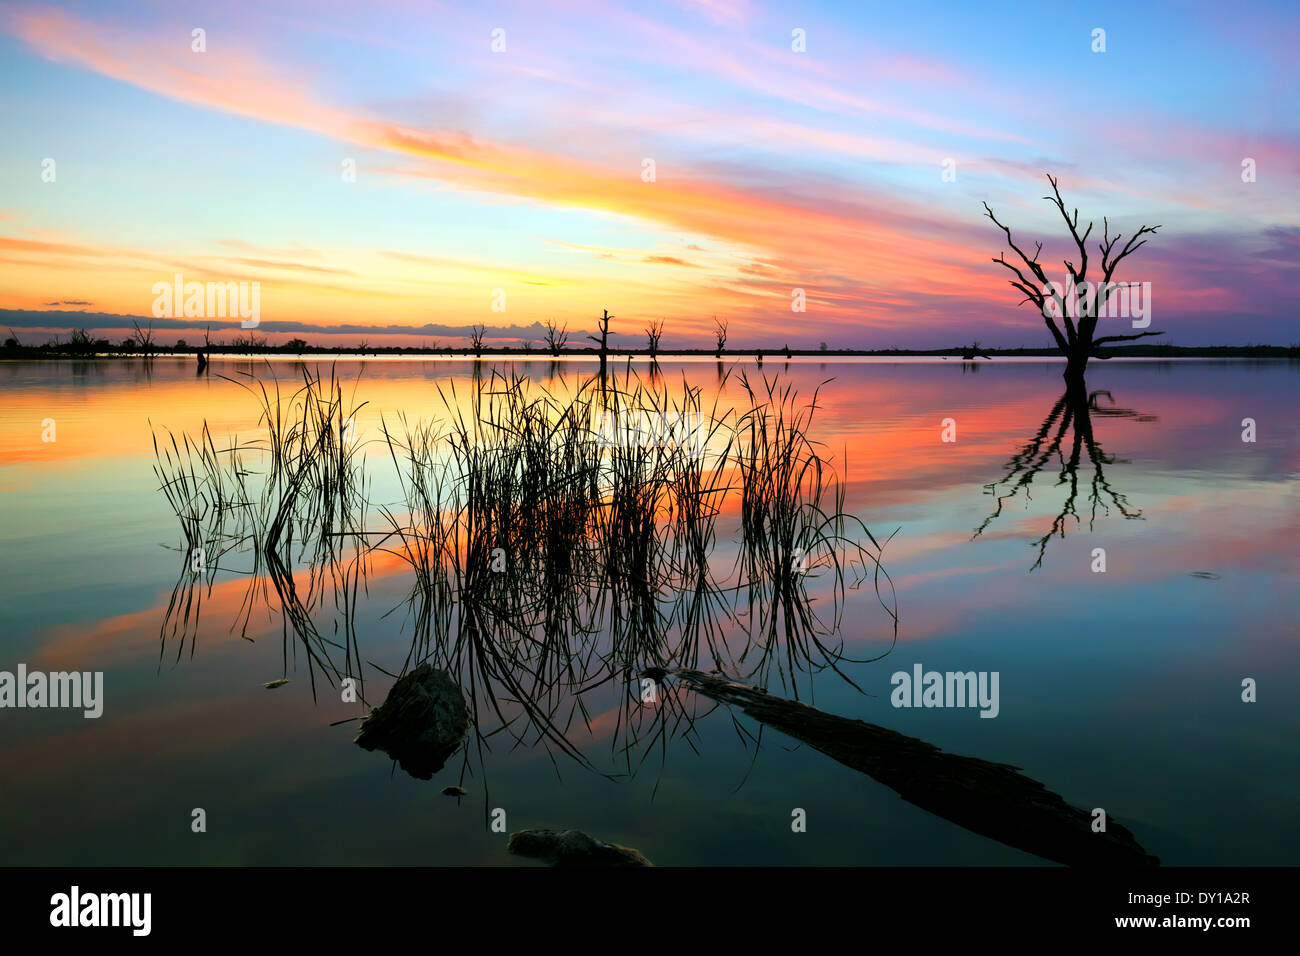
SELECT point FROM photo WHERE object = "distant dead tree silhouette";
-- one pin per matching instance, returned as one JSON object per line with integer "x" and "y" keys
{"x": 603, "y": 339}
{"x": 206, "y": 350}
{"x": 143, "y": 338}
{"x": 720, "y": 330}
{"x": 476, "y": 338}
{"x": 79, "y": 341}
{"x": 556, "y": 336}
{"x": 653, "y": 333}
{"x": 1078, "y": 312}
{"x": 603, "y": 342}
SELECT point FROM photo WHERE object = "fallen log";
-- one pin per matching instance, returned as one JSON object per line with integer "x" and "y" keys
{"x": 992, "y": 799}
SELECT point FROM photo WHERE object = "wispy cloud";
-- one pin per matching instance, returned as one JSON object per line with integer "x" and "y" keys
{"x": 774, "y": 171}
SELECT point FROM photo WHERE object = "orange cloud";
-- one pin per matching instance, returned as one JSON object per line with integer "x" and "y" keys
{"x": 816, "y": 241}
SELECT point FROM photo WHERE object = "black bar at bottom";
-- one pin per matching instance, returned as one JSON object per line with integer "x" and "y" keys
{"x": 334, "y": 905}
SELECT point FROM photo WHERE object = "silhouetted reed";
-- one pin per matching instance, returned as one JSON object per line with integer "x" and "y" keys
{"x": 559, "y": 540}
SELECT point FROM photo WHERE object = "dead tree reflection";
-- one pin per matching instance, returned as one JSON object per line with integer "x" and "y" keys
{"x": 1066, "y": 440}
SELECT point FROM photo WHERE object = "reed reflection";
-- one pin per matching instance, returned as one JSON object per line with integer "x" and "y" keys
{"x": 565, "y": 550}
{"x": 573, "y": 577}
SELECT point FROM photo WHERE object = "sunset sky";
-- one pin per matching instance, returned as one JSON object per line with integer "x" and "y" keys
{"x": 523, "y": 169}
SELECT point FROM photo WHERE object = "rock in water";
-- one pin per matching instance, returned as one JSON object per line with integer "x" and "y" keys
{"x": 573, "y": 848}
{"x": 420, "y": 724}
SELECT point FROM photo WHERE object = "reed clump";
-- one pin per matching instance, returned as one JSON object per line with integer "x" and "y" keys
{"x": 557, "y": 538}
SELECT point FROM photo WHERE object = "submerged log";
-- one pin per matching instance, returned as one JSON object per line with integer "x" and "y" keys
{"x": 992, "y": 799}
{"x": 420, "y": 724}
{"x": 572, "y": 848}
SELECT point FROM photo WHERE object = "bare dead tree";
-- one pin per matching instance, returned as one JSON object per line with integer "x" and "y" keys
{"x": 556, "y": 336}
{"x": 79, "y": 340}
{"x": 476, "y": 338}
{"x": 143, "y": 338}
{"x": 653, "y": 333}
{"x": 603, "y": 342}
{"x": 720, "y": 330}
{"x": 603, "y": 339}
{"x": 1079, "y": 312}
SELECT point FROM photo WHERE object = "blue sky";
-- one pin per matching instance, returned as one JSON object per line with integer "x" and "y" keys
{"x": 522, "y": 170}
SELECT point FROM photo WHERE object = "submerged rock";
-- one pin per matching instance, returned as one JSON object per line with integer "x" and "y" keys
{"x": 454, "y": 791}
{"x": 420, "y": 724}
{"x": 572, "y": 848}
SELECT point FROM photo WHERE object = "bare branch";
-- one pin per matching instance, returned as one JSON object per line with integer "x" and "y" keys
{"x": 1031, "y": 263}
{"x": 1133, "y": 245}
{"x": 1002, "y": 260}
{"x": 1072, "y": 223}
{"x": 1121, "y": 338}
{"x": 1038, "y": 297}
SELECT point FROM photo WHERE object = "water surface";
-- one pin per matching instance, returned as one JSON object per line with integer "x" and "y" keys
{"x": 1119, "y": 690}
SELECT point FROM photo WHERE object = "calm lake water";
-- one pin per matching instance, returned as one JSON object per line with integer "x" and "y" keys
{"x": 1120, "y": 690}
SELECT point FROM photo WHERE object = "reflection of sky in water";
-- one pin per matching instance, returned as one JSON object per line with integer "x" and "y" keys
{"x": 1118, "y": 690}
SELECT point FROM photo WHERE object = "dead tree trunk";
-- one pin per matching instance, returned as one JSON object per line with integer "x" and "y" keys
{"x": 992, "y": 799}
{"x": 603, "y": 342}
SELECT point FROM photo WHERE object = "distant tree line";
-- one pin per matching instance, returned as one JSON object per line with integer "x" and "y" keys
{"x": 78, "y": 342}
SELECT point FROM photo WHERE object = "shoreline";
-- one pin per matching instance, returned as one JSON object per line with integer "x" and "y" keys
{"x": 780, "y": 355}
